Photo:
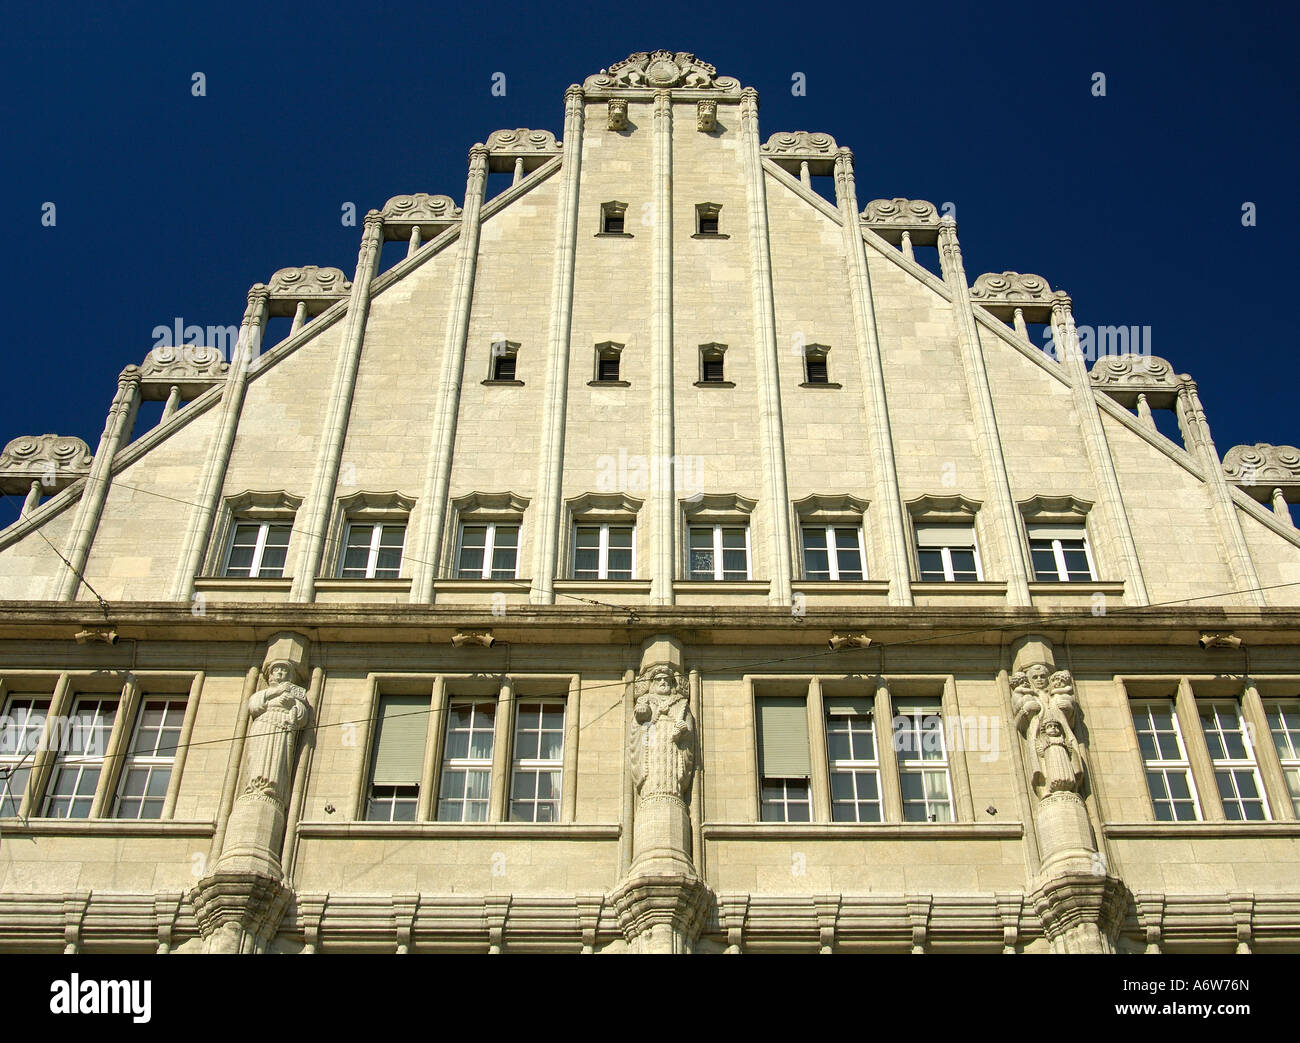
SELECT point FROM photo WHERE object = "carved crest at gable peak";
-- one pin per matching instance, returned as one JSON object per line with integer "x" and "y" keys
{"x": 660, "y": 70}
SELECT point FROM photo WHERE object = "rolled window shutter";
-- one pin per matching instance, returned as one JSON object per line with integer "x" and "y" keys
{"x": 842, "y": 707}
{"x": 945, "y": 536}
{"x": 400, "y": 736}
{"x": 1056, "y": 532}
{"x": 783, "y": 739}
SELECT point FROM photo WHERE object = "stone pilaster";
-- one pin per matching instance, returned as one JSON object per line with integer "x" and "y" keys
{"x": 663, "y": 495}
{"x": 1196, "y": 433}
{"x": 661, "y": 902}
{"x": 217, "y": 459}
{"x": 771, "y": 433}
{"x": 880, "y": 438}
{"x": 1079, "y": 903}
{"x": 314, "y": 517}
{"x": 1001, "y": 507}
{"x": 432, "y": 505}
{"x": 1113, "y": 516}
{"x": 117, "y": 431}
{"x": 550, "y": 467}
{"x": 240, "y": 902}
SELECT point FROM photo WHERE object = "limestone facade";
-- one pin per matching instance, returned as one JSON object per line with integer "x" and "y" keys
{"x": 657, "y": 558}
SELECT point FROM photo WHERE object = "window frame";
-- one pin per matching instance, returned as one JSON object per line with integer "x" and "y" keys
{"x": 1232, "y": 765}
{"x": 150, "y": 762}
{"x": 832, "y": 550}
{"x": 537, "y": 765}
{"x": 945, "y": 552}
{"x": 719, "y": 570}
{"x": 468, "y": 765}
{"x": 27, "y": 743}
{"x": 489, "y": 525}
{"x": 259, "y": 547}
{"x": 1162, "y": 765}
{"x": 1288, "y": 760}
{"x": 917, "y": 712}
{"x": 377, "y": 527}
{"x": 64, "y": 760}
{"x": 1058, "y": 554}
{"x": 602, "y": 549}
{"x": 853, "y": 767}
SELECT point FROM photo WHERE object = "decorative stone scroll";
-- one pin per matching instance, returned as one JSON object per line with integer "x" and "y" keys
{"x": 1011, "y": 288}
{"x": 309, "y": 283}
{"x": 1262, "y": 464}
{"x": 56, "y": 461}
{"x": 800, "y": 144}
{"x": 522, "y": 142}
{"x": 192, "y": 368}
{"x": 658, "y": 70}
{"x": 1133, "y": 373}
{"x": 901, "y": 213}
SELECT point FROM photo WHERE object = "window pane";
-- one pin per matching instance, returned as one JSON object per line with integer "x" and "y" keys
{"x": 931, "y": 562}
{"x": 963, "y": 565}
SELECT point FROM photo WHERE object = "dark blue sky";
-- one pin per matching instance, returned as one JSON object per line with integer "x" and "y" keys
{"x": 170, "y": 205}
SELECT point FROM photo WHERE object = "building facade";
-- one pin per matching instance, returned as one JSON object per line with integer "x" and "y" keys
{"x": 656, "y": 558}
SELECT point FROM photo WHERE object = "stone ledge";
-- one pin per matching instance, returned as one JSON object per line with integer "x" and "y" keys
{"x": 1218, "y": 830}
{"x": 109, "y": 827}
{"x": 863, "y": 830}
{"x": 461, "y": 830}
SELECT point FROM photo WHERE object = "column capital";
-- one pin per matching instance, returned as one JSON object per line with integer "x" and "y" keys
{"x": 574, "y": 95}
{"x": 1062, "y": 301}
{"x": 129, "y": 378}
{"x": 749, "y": 103}
{"x": 373, "y": 222}
{"x": 663, "y": 104}
{"x": 478, "y": 153}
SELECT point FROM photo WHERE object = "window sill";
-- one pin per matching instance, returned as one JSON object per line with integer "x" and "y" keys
{"x": 821, "y": 384}
{"x": 608, "y": 384}
{"x": 603, "y": 586}
{"x": 940, "y": 587}
{"x": 1091, "y": 586}
{"x": 479, "y": 584}
{"x": 1223, "y": 830}
{"x": 503, "y": 383}
{"x": 842, "y": 586}
{"x": 462, "y": 830}
{"x": 711, "y": 235}
{"x": 203, "y": 583}
{"x": 401, "y": 583}
{"x": 723, "y": 586}
{"x": 863, "y": 830}
{"x": 613, "y": 235}
{"x": 715, "y": 384}
{"x": 106, "y": 827}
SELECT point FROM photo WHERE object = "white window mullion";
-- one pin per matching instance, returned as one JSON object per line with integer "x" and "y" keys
{"x": 602, "y": 564}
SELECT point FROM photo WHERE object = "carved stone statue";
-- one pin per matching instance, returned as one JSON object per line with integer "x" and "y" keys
{"x": 1044, "y": 704}
{"x": 661, "y": 744}
{"x": 276, "y": 714}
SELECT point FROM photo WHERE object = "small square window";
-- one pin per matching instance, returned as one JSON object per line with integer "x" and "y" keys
{"x": 947, "y": 554}
{"x": 612, "y": 218}
{"x": 707, "y": 218}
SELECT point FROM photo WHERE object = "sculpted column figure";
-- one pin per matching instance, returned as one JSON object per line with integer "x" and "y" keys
{"x": 661, "y": 901}
{"x": 1079, "y": 903}
{"x": 239, "y": 903}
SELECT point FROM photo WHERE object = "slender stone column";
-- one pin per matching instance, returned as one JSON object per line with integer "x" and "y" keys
{"x": 33, "y": 499}
{"x": 117, "y": 431}
{"x": 880, "y": 439}
{"x": 1196, "y": 432}
{"x": 299, "y": 318}
{"x": 218, "y": 452}
{"x": 1280, "y": 508}
{"x": 771, "y": 435}
{"x": 314, "y": 517}
{"x": 414, "y": 243}
{"x": 172, "y": 404}
{"x": 992, "y": 463}
{"x": 550, "y": 468}
{"x": 663, "y": 494}
{"x": 432, "y": 505}
{"x": 1113, "y": 515}
{"x": 1144, "y": 412}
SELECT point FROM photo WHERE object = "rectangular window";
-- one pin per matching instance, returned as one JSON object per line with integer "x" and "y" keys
{"x": 613, "y": 221}
{"x": 719, "y": 552}
{"x": 1235, "y": 770}
{"x": 607, "y": 368}
{"x": 923, "y": 772}
{"x": 784, "y": 763}
{"x": 488, "y": 551}
{"x": 816, "y": 369}
{"x": 373, "y": 551}
{"x": 258, "y": 550}
{"x": 602, "y": 551}
{"x": 81, "y": 742}
{"x": 1284, "y": 724}
{"x": 503, "y": 367}
{"x": 853, "y": 759}
{"x": 401, "y": 726}
{"x": 20, "y": 734}
{"x": 1061, "y": 554}
{"x": 1168, "y": 771}
{"x": 466, "y": 788}
{"x": 147, "y": 771}
{"x": 832, "y": 552}
{"x": 538, "y": 762}
{"x": 947, "y": 553}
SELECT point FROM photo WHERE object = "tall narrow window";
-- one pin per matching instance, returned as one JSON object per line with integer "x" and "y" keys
{"x": 82, "y": 742}
{"x": 711, "y": 371}
{"x": 1061, "y": 553}
{"x": 947, "y": 553}
{"x": 20, "y": 733}
{"x": 257, "y": 550}
{"x": 1235, "y": 770}
{"x": 816, "y": 368}
{"x": 1168, "y": 771}
{"x": 538, "y": 762}
{"x": 608, "y": 356}
{"x": 784, "y": 763}
{"x": 466, "y": 789}
{"x": 489, "y": 550}
{"x": 373, "y": 551}
{"x": 147, "y": 772}
{"x": 853, "y": 759}
{"x": 719, "y": 552}
{"x": 832, "y": 552}
{"x": 602, "y": 551}
{"x": 707, "y": 218}
{"x": 505, "y": 355}
{"x": 1284, "y": 724}
{"x": 923, "y": 772}
{"x": 400, "y": 731}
